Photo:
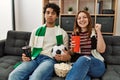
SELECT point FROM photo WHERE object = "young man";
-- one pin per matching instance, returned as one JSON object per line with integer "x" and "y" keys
{"x": 41, "y": 66}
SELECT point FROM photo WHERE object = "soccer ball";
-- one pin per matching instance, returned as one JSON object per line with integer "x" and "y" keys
{"x": 58, "y": 50}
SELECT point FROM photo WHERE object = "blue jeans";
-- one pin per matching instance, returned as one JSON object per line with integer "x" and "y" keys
{"x": 40, "y": 68}
{"x": 86, "y": 67}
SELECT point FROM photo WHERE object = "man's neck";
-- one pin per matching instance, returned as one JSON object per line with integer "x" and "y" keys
{"x": 50, "y": 25}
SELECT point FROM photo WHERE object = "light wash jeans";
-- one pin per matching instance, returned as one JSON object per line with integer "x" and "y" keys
{"x": 86, "y": 67}
{"x": 39, "y": 69}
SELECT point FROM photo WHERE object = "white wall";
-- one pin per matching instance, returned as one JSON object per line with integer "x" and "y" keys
{"x": 5, "y": 17}
{"x": 28, "y": 14}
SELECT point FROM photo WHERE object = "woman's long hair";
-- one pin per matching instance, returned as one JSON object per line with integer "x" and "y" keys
{"x": 77, "y": 29}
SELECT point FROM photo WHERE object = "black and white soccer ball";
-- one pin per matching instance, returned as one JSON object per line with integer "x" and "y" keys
{"x": 58, "y": 50}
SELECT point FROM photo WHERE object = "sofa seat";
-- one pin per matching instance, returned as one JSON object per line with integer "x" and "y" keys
{"x": 6, "y": 65}
{"x": 112, "y": 73}
{"x": 11, "y": 52}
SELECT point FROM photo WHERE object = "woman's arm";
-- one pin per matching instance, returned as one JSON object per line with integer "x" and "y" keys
{"x": 101, "y": 46}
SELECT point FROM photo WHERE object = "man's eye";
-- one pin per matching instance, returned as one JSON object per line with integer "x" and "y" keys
{"x": 47, "y": 12}
{"x": 53, "y": 13}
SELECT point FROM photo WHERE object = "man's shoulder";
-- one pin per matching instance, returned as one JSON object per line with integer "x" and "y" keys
{"x": 63, "y": 30}
{"x": 40, "y": 26}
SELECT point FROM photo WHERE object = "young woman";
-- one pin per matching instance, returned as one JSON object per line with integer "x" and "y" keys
{"x": 89, "y": 63}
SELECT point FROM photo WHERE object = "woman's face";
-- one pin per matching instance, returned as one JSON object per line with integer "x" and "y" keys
{"x": 82, "y": 20}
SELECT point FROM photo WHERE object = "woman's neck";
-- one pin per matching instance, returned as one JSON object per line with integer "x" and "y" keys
{"x": 83, "y": 29}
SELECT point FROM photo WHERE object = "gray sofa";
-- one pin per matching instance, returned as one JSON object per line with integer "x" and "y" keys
{"x": 10, "y": 54}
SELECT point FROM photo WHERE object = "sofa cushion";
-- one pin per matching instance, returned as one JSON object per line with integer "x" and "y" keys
{"x": 7, "y": 65}
{"x": 112, "y": 53}
{"x": 2, "y": 44}
{"x": 112, "y": 73}
{"x": 14, "y": 42}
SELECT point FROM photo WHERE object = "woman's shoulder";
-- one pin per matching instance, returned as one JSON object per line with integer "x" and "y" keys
{"x": 93, "y": 33}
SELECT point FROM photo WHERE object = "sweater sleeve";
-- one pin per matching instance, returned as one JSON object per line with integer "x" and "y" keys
{"x": 65, "y": 38}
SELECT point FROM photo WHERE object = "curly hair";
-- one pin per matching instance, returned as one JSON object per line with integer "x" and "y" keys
{"x": 54, "y": 7}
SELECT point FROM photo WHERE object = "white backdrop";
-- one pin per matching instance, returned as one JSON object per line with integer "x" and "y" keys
{"x": 5, "y": 17}
{"x": 28, "y": 14}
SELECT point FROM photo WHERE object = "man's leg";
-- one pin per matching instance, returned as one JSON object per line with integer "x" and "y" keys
{"x": 23, "y": 71}
{"x": 44, "y": 71}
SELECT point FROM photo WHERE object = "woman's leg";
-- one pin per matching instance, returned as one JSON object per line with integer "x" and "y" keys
{"x": 80, "y": 69}
{"x": 97, "y": 68}
{"x": 87, "y": 77}
{"x": 44, "y": 71}
{"x": 23, "y": 71}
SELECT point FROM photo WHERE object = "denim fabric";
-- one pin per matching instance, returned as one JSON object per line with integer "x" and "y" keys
{"x": 86, "y": 67}
{"x": 39, "y": 69}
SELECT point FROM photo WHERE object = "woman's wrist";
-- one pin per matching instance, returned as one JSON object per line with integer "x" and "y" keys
{"x": 98, "y": 32}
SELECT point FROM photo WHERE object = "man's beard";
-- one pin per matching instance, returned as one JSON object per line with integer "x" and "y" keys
{"x": 51, "y": 22}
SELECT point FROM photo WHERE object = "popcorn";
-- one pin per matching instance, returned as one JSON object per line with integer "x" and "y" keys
{"x": 61, "y": 69}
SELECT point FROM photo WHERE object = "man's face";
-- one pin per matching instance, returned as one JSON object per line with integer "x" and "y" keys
{"x": 50, "y": 16}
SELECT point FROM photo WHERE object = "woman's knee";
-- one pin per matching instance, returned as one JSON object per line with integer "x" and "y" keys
{"x": 83, "y": 59}
{"x": 95, "y": 70}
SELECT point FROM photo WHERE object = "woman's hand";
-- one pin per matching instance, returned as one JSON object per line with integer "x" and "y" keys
{"x": 72, "y": 45}
{"x": 98, "y": 28}
{"x": 24, "y": 58}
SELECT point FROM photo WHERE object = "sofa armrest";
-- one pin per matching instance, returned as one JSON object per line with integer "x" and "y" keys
{"x": 2, "y": 45}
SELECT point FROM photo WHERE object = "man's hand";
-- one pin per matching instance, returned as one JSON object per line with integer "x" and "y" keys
{"x": 63, "y": 57}
{"x": 24, "y": 58}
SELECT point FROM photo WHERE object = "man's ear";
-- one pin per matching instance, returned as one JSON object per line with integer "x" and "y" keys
{"x": 56, "y": 18}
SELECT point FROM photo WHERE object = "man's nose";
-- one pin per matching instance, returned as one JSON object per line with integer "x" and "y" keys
{"x": 50, "y": 14}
